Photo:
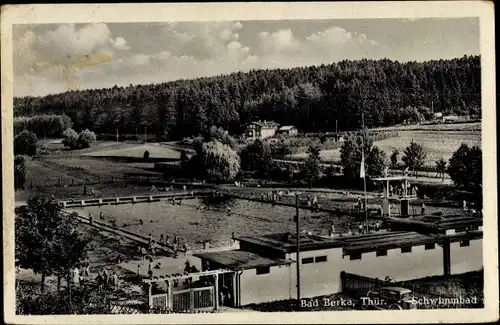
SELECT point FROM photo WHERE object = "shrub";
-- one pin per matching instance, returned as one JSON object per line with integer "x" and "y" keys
{"x": 146, "y": 155}
{"x": 25, "y": 143}
{"x": 70, "y": 139}
{"x": 86, "y": 138}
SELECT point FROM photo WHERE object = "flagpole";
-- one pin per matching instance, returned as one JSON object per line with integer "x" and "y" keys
{"x": 364, "y": 171}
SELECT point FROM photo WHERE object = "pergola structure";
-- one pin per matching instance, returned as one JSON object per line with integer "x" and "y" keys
{"x": 404, "y": 198}
{"x": 191, "y": 298}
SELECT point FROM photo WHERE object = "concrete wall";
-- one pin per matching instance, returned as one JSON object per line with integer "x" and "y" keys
{"x": 318, "y": 278}
{"x": 276, "y": 285}
{"x": 468, "y": 258}
{"x": 397, "y": 265}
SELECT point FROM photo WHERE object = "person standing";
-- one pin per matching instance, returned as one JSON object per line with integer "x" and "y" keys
{"x": 105, "y": 279}
{"x": 422, "y": 209}
{"x": 162, "y": 240}
{"x": 76, "y": 276}
{"x": 90, "y": 219}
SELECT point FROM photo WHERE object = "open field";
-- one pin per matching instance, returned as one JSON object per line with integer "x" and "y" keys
{"x": 439, "y": 144}
{"x": 155, "y": 151}
{"x": 100, "y": 167}
{"x": 472, "y": 126}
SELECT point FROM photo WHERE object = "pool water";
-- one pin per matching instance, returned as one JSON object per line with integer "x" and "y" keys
{"x": 198, "y": 220}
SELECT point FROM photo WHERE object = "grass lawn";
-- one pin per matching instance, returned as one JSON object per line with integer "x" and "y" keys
{"x": 155, "y": 151}
{"x": 439, "y": 144}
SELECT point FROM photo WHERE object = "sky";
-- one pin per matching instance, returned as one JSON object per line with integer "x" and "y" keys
{"x": 109, "y": 54}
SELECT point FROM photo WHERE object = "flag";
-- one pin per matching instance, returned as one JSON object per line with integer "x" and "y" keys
{"x": 362, "y": 169}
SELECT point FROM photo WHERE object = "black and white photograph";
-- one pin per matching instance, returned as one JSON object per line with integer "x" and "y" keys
{"x": 250, "y": 163}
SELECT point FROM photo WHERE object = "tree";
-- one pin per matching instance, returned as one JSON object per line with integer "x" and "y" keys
{"x": 221, "y": 135}
{"x": 465, "y": 168}
{"x": 19, "y": 172}
{"x": 146, "y": 155}
{"x": 414, "y": 156}
{"x": 350, "y": 156}
{"x": 376, "y": 162}
{"x": 86, "y": 138}
{"x": 257, "y": 156}
{"x": 311, "y": 166}
{"x": 441, "y": 167}
{"x": 25, "y": 143}
{"x": 70, "y": 139}
{"x": 219, "y": 161}
{"x": 46, "y": 239}
{"x": 394, "y": 158}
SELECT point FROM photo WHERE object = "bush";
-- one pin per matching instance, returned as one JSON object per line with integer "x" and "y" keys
{"x": 86, "y": 138}
{"x": 146, "y": 155}
{"x": 70, "y": 139}
{"x": 25, "y": 143}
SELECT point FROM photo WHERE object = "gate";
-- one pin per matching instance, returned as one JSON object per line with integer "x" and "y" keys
{"x": 194, "y": 298}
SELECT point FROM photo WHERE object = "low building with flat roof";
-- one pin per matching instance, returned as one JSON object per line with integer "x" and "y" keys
{"x": 265, "y": 266}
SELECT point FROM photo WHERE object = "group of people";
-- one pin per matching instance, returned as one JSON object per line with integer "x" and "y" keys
{"x": 164, "y": 240}
{"x": 273, "y": 196}
{"x": 107, "y": 279}
{"x": 399, "y": 190}
{"x": 313, "y": 203}
{"x": 364, "y": 228}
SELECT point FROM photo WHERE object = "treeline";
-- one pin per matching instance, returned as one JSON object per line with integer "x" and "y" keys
{"x": 315, "y": 98}
{"x": 43, "y": 125}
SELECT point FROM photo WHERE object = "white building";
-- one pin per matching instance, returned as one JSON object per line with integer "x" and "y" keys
{"x": 265, "y": 266}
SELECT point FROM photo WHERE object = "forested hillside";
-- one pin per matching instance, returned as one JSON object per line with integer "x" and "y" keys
{"x": 312, "y": 98}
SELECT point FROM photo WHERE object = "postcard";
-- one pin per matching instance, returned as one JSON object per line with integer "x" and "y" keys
{"x": 249, "y": 163}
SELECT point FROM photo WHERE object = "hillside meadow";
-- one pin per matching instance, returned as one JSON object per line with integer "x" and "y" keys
{"x": 438, "y": 144}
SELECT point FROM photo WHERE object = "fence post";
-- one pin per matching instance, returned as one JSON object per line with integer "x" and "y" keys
{"x": 342, "y": 280}
{"x": 191, "y": 299}
{"x": 216, "y": 289}
{"x": 150, "y": 298}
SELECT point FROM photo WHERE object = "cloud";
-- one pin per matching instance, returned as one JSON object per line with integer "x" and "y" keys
{"x": 186, "y": 50}
{"x": 120, "y": 44}
{"x": 62, "y": 45}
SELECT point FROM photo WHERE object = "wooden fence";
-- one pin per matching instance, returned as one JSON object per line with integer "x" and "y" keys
{"x": 357, "y": 286}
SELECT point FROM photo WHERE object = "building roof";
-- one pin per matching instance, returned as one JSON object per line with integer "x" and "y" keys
{"x": 385, "y": 240}
{"x": 437, "y": 223}
{"x": 266, "y": 124}
{"x": 287, "y": 243}
{"x": 239, "y": 259}
{"x": 286, "y": 128}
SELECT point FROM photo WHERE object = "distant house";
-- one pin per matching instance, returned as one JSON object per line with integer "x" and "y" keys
{"x": 438, "y": 115}
{"x": 289, "y": 130}
{"x": 450, "y": 118}
{"x": 261, "y": 130}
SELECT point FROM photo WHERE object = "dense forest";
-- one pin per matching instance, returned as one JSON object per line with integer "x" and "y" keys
{"x": 312, "y": 98}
